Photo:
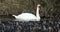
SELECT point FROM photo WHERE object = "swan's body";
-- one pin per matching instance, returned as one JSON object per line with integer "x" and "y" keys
{"x": 28, "y": 16}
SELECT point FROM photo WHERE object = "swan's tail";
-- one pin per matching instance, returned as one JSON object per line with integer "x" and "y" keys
{"x": 14, "y": 15}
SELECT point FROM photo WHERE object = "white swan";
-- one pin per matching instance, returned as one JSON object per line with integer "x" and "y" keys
{"x": 29, "y": 16}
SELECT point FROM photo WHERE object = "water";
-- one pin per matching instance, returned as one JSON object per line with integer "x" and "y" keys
{"x": 44, "y": 25}
{"x": 16, "y": 26}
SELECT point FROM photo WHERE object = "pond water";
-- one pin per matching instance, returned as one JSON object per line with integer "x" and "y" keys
{"x": 44, "y": 25}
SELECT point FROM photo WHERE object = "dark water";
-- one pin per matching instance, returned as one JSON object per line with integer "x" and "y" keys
{"x": 46, "y": 24}
{"x": 31, "y": 26}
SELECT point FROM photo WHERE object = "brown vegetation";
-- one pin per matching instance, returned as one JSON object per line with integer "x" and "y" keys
{"x": 19, "y": 6}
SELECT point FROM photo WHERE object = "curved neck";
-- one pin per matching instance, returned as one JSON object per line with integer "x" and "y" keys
{"x": 37, "y": 13}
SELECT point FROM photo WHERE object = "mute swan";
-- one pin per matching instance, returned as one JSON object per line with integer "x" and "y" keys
{"x": 29, "y": 16}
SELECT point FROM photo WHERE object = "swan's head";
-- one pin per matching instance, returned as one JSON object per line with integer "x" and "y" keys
{"x": 39, "y": 6}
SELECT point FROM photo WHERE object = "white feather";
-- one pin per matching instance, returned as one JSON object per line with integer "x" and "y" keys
{"x": 28, "y": 16}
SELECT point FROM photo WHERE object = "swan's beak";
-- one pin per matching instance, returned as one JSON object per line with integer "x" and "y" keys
{"x": 39, "y": 7}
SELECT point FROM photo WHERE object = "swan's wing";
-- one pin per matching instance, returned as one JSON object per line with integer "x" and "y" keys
{"x": 27, "y": 16}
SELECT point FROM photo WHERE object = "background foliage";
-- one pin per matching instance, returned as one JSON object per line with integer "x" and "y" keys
{"x": 49, "y": 7}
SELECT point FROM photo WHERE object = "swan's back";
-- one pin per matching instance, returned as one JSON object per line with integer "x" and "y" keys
{"x": 27, "y": 15}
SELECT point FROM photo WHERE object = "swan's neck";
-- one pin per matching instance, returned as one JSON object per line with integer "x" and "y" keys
{"x": 37, "y": 13}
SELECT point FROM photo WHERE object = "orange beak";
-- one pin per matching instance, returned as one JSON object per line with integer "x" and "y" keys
{"x": 39, "y": 7}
